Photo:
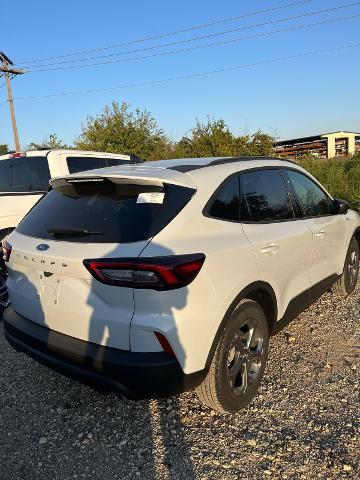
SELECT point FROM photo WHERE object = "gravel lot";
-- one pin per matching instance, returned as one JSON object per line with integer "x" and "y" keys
{"x": 304, "y": 423}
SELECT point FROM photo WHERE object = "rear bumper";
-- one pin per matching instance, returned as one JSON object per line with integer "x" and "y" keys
{"x": 134, "y": 375}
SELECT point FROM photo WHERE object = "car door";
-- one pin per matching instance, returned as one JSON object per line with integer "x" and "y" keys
{"x": 329, "y": 230}
{"x": 282, "y": 243}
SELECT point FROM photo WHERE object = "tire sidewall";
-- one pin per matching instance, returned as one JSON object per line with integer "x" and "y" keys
{"x": 230, "y": 401}
{"x": 354, "y": 246}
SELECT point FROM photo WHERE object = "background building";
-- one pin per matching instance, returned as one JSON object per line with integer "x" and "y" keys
{"x": 326, "y": 145}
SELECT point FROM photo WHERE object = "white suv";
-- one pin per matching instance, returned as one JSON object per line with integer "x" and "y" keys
{"x": 154, "y": 279}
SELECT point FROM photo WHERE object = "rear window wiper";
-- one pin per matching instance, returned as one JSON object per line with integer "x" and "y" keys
{"x": 72, "y": 231}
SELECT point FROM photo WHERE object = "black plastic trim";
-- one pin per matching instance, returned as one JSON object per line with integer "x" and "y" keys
{"x": 17, "y": 194}
{"x": 222, "y": 161}
{"x": 296, "y": 306}
{"x": 303, "y": 301}
{"x": 134, "y": 375}
{"x": 253, "y": 287}
{"x": 246, "y": 159}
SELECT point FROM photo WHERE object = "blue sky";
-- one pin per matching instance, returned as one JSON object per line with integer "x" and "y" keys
{"x": 296, "y": 97}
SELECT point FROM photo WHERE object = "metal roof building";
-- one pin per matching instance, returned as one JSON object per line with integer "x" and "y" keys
{"x": 326, "y": 145}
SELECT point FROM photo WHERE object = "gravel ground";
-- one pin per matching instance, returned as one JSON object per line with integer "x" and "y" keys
{"x": 304, "y": 423}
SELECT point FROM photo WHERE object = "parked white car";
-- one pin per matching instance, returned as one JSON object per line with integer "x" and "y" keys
{"x": 158, "y": 278}
{"x": 25, "y": 176}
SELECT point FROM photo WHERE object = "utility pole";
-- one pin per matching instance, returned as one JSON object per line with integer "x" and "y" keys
{"x": 6, "y": 72}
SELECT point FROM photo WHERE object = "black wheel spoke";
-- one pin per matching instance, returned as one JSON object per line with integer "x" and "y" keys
{"x": 245, "y": 356}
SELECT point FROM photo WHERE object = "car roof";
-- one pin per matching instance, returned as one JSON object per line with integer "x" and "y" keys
{"x": 190, "y": 172}
{"x": 188, "y": 164}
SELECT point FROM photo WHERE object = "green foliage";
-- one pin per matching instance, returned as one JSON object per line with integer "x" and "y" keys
{"x": 4, "y": 149}
{"x": 52, "y": 142}
{"x": 119, "y": 130}
{"x": 214, "y": 139}
{"x": 340, "y": 176}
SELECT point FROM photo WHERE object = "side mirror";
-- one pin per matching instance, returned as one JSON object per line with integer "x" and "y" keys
{"x": 340, "y": 207}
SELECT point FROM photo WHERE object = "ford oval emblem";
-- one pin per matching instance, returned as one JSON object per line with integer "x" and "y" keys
{"x": 42, "y": 247}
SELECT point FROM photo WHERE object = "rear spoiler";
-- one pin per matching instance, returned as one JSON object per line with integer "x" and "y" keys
{"x": 139, "y": 174}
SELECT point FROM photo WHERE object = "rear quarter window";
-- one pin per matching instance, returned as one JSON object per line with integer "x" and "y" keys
{"x": 226, "y": 204}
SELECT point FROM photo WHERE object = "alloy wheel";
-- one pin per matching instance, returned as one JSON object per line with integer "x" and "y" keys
{"x": 245, "y": 356}
{"x": 353, "y": 268}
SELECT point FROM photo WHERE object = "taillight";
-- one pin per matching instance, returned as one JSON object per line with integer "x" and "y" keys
{"x": 156, "y": 273}
{"x": 6, "y": 248}
{"x": 165, "y": 345}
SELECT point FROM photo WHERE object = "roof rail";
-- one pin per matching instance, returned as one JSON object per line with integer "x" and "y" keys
{"x": 244, "y": 159}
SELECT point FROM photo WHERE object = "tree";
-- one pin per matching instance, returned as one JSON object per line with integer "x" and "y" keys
{"x": 214, "y": 139}
{"x": 119, "y": 130}
{"x": 52, "y": 142}
{"x": 4, "y": 149}
{"x": 209, "y": 139}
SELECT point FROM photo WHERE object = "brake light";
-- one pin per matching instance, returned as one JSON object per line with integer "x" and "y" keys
{"x": 165, "y": 345}
{"x": 6, "y": 248}
{"x": 17, "y": 155}
{"x": 156, "y": 273}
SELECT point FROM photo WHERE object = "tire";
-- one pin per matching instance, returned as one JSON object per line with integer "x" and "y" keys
{"x": 243, "y": 348}
{"x": 348, "y": 280}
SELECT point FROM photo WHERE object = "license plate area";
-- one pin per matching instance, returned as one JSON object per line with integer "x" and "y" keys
{"x": 50, "y": 288}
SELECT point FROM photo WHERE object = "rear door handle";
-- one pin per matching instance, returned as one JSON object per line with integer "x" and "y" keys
{"x": 320, "y": 234}
{"x": 270, "y": 249}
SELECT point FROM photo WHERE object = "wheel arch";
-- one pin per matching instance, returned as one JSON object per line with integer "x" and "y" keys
{"x": 260, "y": 292}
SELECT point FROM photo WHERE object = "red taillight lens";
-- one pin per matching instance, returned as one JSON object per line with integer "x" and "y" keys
{"x": 157, "y": 273}
{"x": 6, "y": 248}
{"x": 165, "y": 345}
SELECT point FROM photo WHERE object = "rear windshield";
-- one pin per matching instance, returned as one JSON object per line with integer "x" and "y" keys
{"x": 104, "y": 212}
{"x": 80, "y": 164}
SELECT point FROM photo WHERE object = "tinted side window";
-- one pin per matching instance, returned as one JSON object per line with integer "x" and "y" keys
{"x": 227, "y": 202}
{"x": 4, "y": 176}
{"x": 312, "y": 200}
{"x": 80, "y": 164}
{"x": 30, "y": 174}
{"x": 265, "y": 197}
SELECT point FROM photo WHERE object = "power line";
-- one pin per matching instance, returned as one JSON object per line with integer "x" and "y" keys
{"x": 198, "y": 47}
{"x": 168, "y": 34}
{"x": 193, "y": 75}
{"x": 201, "y": 37}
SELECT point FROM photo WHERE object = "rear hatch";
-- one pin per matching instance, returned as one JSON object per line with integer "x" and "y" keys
{"x": 87, "y": 217}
